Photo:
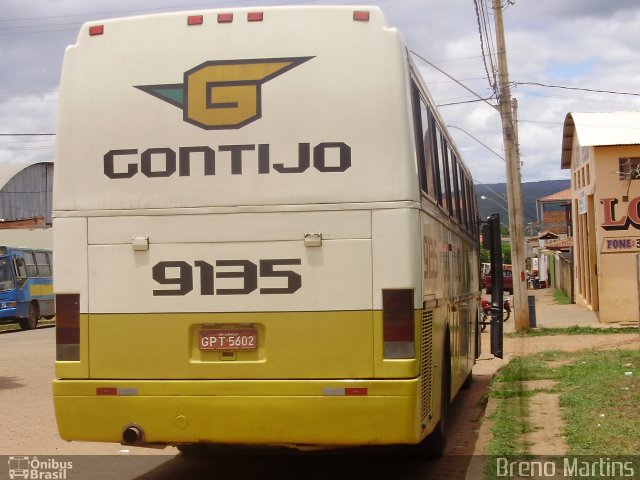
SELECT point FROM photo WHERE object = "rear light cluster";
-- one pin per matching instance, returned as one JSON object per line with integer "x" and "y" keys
{"x": 192, "y": 20}
{"x": 398, "y": 329}
{"x": 67, "y": 327}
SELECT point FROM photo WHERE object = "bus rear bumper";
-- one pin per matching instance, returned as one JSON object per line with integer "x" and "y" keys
{"x": 324, "y": 413}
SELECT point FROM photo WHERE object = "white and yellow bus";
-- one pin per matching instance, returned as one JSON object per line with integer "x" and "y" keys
{"x": 264, "y": 234}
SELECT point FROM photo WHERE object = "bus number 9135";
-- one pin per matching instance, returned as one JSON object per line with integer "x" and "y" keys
{"x": 181, "y": 274}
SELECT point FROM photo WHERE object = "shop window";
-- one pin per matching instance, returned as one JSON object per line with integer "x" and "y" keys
{"x": 629, "y": 168}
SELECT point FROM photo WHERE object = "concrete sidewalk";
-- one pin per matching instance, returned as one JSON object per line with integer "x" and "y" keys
{"x": 548, "y": 314}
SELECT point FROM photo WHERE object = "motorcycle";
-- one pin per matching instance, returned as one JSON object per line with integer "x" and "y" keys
{"x": 485, "y": 318}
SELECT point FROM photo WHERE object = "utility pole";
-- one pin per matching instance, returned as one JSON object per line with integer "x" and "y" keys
{"x": 514, "y": 190}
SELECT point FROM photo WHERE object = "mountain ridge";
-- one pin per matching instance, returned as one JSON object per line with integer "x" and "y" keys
{"x": 495, "y": 200}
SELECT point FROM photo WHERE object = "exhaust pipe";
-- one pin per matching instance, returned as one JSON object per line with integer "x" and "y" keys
{"x": 132, "y": 434}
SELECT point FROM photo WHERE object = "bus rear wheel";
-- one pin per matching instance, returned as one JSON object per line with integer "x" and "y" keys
{"x": 31, "y": 321}
{"x": 193, "y": 449}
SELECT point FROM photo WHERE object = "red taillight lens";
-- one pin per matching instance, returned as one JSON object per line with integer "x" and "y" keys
{"x": 255, "y": 16}
{"x": 225, "y": 17}
{"x": 195, "y": 20}
{"x": 361, "y": 16}
{"x": 68, "y": 327}
{"x": 96, "y": 30}
{"x": 398, "y": 326}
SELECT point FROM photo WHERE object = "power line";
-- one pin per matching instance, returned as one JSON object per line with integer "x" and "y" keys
{"x": 451, "y": 78}
{"x": 486, "y": 38}
{"x": 538, "y": 84}
{"x": 464, "y": 102}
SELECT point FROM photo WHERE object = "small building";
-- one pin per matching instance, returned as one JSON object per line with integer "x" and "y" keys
{"x": 553, "y": 212}
{"x": 603, "y": 152}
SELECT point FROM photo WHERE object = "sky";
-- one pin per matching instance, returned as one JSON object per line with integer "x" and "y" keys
{"x": 585, "y": 47}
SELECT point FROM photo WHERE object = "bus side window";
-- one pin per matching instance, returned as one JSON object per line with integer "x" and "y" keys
{"x": 30, "y": 263}
{"x": 422, "y": 125}
{"x": 44, "y": 269}
{"x": 436, "y": 149}
{"x": 21, "y": 269}
{"x": 453, "y": 184}
{"x": 444, "y": 172}
{"x": 461, "y": 181}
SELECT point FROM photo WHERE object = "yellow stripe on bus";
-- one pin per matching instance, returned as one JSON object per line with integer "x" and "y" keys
{"x": 40, "y": 290}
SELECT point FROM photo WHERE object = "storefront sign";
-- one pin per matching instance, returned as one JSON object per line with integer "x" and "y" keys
{"x": 620, "y": 245}
{"x": 620, "y": 217}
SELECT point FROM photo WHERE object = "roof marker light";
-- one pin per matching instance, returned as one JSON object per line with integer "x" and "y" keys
{"x": 361, "y": 16}
{"x": 96, "y": 30}
{"x": 225, "y": 17}
{"x": 195, "y": 20}
{"x": 255, "y": 16}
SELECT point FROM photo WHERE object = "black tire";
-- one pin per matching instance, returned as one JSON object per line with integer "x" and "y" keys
{"x": 467, "y": 381}
{"x": 49, "y": 317}
{"x": 193, "y": 449}
{"x": 31, "y": 321}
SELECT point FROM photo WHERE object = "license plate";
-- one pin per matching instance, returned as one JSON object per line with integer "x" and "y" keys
{"x": 229, "y": 339}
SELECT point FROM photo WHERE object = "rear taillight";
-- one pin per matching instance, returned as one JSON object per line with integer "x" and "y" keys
{"x": 398, "y": 329}
{"x": 67, "y": 327}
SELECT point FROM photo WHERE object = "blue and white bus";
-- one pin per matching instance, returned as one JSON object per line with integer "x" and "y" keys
{"x": 26, "y": 287}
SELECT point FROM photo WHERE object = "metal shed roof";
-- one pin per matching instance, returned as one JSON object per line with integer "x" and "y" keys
{"x": 599, "y": 129}
{"x": 10, "y": 170}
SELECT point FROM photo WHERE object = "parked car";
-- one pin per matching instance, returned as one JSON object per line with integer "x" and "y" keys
{"x": 507, "y": 280}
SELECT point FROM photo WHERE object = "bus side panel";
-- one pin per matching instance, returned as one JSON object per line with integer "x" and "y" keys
{"x": 70, "y": 266}
{"x": 71, "y": 276}
{"x": 396, "y": 265}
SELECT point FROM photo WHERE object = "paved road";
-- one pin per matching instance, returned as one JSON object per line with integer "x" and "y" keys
{"x": 28, "y": 428}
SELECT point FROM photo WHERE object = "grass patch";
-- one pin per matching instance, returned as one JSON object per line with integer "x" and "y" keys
{"x": 575, "y": 330}
{"x": 598, "y": 398}
{"x": 561, "y": 297}
{"x": 600, "y": 403}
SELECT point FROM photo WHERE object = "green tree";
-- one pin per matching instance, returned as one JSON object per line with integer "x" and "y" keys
{"x": 506, "y": 253}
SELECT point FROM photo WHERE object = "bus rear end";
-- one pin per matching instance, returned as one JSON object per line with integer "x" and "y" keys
{"x": 235, "y": 203}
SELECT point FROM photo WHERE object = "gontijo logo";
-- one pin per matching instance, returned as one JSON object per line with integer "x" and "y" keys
{"x": 223, "y": 94}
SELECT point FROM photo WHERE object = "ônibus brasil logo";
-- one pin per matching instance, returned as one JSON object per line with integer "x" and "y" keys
{"x": 32, "y": 468}
{"x": 223, "y": 94}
